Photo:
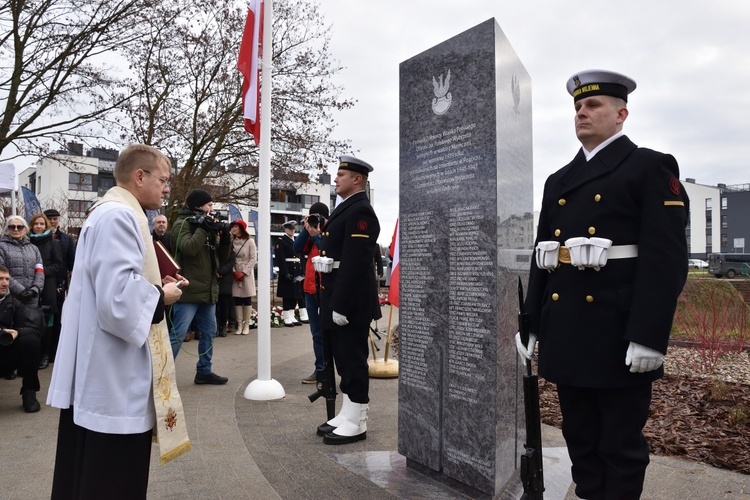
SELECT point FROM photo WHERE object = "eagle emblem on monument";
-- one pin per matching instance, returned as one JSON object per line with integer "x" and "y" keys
{"x": 442, "y": 100}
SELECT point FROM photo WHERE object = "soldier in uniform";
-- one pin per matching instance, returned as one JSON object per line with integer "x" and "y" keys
{"x": 610, "y": 263}
{"x": 348, "y": 297}
{"x": 290, "y": 274}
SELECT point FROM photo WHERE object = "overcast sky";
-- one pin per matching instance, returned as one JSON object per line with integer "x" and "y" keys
{"x": 690, "y": 59}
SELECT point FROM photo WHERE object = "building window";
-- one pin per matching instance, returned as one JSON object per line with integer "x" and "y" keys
{"x": 709, "y": 220}
{"x": 709, "y": 203}
{"x": 723, "y": 221}
{"x": 80, "y": 182}
{"x": 78, "y": 208}
{"x": 308, "y": 200}
{"x": 723, "y": 202}
{"x": 724, "y": 241}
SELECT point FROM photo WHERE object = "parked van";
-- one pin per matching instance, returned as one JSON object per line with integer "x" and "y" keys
{"x": 729, "y": 264}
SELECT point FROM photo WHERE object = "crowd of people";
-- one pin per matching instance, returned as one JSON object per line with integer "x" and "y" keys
{"x": 37, "y": 256}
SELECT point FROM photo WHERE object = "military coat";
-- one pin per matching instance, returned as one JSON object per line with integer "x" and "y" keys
{"x": 289, "y": 265}
{"x": 349, "y": 238}
{"x": 585, "y": 319}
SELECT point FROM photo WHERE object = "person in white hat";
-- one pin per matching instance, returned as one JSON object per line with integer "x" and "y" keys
{"x": 610, "y": 263}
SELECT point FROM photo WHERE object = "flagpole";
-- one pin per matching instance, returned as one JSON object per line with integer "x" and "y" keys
{"x": 264, "y": 388}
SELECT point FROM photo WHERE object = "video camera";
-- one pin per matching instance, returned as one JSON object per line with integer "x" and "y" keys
{"x": 316, "y": 220}
{"x": 212, "y": 221}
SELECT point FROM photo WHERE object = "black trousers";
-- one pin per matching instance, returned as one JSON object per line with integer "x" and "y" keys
{"x": 24, "y": 355}
{"x": 350, "y": 351}
{"x": 603, "y": 429}
{"x": 93, "y": 465}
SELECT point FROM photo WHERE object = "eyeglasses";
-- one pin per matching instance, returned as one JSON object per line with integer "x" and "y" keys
{"x": 13, "y": 227}
{"x": 164, "y": 182}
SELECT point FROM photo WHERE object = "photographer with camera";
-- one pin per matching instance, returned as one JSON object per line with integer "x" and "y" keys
{"x": 200, "y": 242}
{"x": 307, "y": 243}
{"x": 20, "y": 343}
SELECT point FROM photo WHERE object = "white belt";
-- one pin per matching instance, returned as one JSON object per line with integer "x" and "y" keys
{"x": 622, "y": 252}
{"x": 292, "y": 260}
{"x": 581, "y": 252}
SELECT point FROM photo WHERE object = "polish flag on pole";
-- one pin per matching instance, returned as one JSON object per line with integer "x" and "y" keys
{"x": 248, "y": 64}
{"x": 393, "y": 290}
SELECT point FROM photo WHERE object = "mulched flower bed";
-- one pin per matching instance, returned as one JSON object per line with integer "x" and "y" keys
{"x": 701, "y": 419}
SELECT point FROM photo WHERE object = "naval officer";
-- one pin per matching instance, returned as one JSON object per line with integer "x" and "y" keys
{"x": 349, "y": 298}
{"x": 610, "y": 263}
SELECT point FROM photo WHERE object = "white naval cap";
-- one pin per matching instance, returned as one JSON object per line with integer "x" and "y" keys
{"x": 599, "y": 82}
{"x": 347, "y": 162}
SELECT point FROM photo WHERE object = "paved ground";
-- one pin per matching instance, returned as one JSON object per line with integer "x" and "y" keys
{"x": 262, "y": 450}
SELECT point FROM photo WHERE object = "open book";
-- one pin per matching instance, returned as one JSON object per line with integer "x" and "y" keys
{"x": 167, "y": 265}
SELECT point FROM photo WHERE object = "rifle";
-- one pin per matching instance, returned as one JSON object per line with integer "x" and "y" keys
{"x": 326, "y": 385}
{"x": 532, "y": 475}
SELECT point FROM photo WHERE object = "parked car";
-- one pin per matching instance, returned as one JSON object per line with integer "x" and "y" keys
{"x": 697, "y": 264}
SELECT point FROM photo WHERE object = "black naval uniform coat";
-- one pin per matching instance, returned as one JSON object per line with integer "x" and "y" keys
{"x": 350, "y": 237}
{"x": 585, "y": 319}
{"x": 284, "y": 250}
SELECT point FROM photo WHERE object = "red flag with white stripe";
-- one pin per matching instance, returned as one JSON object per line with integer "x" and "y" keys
{"x": 248, "y": 64}
{"x": 393, "y": 290}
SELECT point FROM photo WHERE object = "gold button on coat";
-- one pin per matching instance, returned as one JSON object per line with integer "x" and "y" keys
{"x": 589, "y": 298}
{"x": 555, "y": 296}
{"x": 592, "y": 230}
{"x": 557, "y": 232}
{"x": 598, "y": 198}
{"x": 323, "y": 252}
{"x": 561, "y": 201}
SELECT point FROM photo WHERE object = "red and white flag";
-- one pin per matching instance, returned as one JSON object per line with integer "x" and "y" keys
{"x": 393, "y": 290}
{"x": 249, "y": 65}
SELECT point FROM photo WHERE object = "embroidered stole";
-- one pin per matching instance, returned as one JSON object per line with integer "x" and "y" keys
{"x": 170, "y": 430}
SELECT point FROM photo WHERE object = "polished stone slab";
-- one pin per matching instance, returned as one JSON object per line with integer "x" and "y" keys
{"x": 389, "y": 470}
{"x": 466, "y": 232}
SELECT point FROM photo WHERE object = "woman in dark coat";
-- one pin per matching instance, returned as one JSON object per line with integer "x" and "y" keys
{"x": 54, "y": 269}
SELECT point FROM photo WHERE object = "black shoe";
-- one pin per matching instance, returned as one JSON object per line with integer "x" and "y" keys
{"x": 30, "y": 403}
{"x": 332, "y": 438}
{"x": 10, "y": 376}
{"x": 312, "y": 379}
{"x": 44, "y": 362}
{"x": 324, "y": 429}
{"x": 222, "y": 333}
{"x": 210, "y": 378}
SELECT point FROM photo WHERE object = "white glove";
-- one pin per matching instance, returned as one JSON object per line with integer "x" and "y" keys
{"x": 642, "y": 358}
{"x": 525, "y": 351}
{"x": 340, "y": 319}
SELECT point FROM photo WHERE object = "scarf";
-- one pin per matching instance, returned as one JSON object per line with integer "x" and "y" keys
{"x": 170, "y": 430}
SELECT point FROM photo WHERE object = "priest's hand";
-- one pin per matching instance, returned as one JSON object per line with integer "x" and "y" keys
{"x": 173, "y": 292}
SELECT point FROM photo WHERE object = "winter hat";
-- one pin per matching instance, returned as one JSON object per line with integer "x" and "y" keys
{"x": 197, "y": 198}
{"x": 320, "y": 209}
{"x": 243, "y": 226}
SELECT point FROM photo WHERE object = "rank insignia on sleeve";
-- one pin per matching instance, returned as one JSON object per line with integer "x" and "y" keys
{"x": 674, "y": 185}
{"x": 362, "y": 225}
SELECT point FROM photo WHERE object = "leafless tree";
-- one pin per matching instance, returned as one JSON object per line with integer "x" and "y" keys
{"x": 55, "y": 73}
{"x": 188, "y": 96}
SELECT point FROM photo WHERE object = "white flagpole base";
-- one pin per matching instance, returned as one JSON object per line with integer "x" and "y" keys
{"x": 264, "y": 390}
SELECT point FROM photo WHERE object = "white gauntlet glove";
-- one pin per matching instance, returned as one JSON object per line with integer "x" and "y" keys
{"x": 525, "y": 351}
{"x": 643, "y": 359}
{"x": 340, "y": 319}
